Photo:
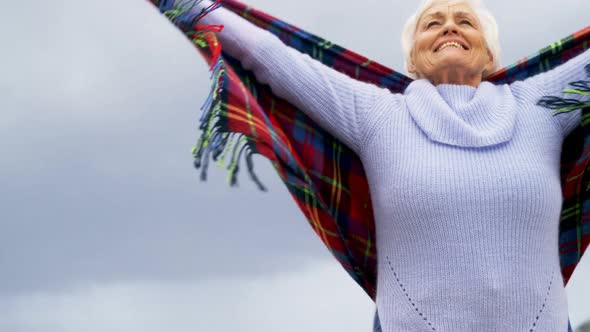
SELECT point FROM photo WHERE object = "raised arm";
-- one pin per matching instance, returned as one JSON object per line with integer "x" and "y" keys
{"x": 553, "y": 82}
{"x": 338, "y": 103}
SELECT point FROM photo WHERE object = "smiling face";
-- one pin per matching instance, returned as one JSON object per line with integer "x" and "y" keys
{"x": 449, "y": 46}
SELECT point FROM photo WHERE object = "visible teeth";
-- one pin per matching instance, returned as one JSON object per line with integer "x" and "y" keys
{"x": 457, "y": 45}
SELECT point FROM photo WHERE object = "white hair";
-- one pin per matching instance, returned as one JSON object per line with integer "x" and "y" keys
{"x": 486, "y": 19}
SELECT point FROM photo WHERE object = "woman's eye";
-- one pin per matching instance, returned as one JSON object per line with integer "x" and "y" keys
{"x": 432, "y": 23}
{"x": 465, "y": 22}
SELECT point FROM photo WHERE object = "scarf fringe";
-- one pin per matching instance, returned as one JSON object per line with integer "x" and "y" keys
{"x": 215, "y": 142}
{"x": 565, "y": 105}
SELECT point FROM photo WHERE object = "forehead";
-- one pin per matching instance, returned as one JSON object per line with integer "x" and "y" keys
{"x": 448, "y": 9}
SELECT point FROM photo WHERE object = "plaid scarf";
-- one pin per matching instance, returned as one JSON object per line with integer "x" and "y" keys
{"x": 242, "y": 117}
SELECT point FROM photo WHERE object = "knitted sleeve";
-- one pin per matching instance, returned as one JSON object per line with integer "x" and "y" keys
{"x": 553, "y": 82}
{"x": 337, "y": 102}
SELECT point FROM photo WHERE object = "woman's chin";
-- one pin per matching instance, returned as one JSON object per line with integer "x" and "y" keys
{"x": 452, "y": 55}
{"x": 452, "y": 63}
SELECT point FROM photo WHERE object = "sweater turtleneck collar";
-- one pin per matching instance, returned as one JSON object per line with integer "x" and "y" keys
{"x": 462, "y": 115}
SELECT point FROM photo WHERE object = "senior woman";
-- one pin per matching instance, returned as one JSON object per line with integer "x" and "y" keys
{"x": 463, "y": 174}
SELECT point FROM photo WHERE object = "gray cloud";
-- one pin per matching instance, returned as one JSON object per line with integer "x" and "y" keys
{"x": 97, "y": 175}
{"x": 268, "y": 303}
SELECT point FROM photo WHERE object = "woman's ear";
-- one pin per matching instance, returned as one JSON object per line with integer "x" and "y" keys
{"x": 411, "y": 66}
{"x": 489, "y": 65}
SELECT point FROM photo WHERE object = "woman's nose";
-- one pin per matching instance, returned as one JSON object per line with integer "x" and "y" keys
{"x": 450, "y": 28}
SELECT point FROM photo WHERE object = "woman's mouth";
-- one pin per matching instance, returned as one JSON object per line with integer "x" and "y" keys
{"x": 451, "y": 44}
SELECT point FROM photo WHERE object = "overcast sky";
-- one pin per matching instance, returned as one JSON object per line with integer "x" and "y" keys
{"x": 104, "y": 223}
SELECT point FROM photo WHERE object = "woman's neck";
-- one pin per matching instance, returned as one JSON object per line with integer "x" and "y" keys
{"x": 454, "y": 76}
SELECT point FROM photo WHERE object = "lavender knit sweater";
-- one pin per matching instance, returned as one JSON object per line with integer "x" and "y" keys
{"x": 464, "y": 181}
